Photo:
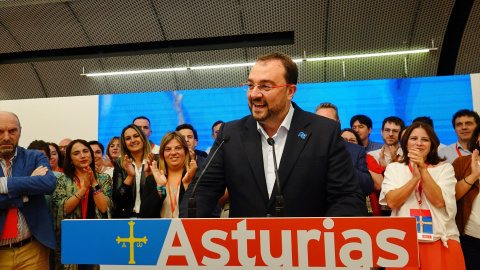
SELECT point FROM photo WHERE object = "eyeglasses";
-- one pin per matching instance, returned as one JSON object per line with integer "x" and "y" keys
{"x": 261, "y": 87}
{"x": 350, "y": 140}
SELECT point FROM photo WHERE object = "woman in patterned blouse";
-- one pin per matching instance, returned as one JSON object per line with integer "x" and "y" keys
{"x": 80, "y": 194}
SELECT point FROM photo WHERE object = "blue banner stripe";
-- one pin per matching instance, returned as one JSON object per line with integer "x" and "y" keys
{"x": 110, "y": 243}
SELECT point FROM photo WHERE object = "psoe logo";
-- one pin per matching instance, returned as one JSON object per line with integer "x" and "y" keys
{"x": 132, "y": 240}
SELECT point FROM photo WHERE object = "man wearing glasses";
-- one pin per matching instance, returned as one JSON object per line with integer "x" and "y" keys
{"x": 63, "y": 145}
{"x": 391, "y": 151}
{"x": 315, "y": 172}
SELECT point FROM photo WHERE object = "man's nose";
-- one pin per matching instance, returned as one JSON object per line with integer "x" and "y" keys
{"x": 256, "y": 91}
{"x": 5, "y": 136}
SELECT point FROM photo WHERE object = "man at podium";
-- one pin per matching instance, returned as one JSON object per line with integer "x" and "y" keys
{"x": 315, "y": 174}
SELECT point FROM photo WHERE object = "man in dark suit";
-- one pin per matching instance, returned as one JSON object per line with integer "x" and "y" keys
{"x": 25, "y": 223}
{"x": 315, "y": 173}
{"x": 356, "y": 151}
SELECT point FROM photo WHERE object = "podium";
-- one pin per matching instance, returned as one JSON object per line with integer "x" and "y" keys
{"x": 247, "y": 243}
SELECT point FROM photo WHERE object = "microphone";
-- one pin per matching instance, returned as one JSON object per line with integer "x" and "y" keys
{"x": 279, "y": 205}
{"x": 192, "y": 202}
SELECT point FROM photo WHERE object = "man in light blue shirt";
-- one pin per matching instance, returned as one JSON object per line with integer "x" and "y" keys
{"x": 464, "y": 122}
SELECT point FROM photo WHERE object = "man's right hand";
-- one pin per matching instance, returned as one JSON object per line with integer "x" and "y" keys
{"x": 40, "y": 170}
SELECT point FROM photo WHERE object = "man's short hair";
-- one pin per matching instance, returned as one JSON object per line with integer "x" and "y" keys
{"x": 188, "y": 126}
{"x": 216, "y": 123}
{"x": 424, "y": 119}
{"x": 141, "y": 117}
{"x": 393, "y": 119}
{"x": 291, "y": 69}
{"x": 328, "y": 105}
{"x": 99, "y": 145}
{"x": 362, "y": 119}
{"x": 40, "y": 145}
{"x": 466, "y": 112}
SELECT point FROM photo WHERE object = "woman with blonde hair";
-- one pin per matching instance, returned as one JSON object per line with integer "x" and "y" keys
{"x": 173, "y": 173}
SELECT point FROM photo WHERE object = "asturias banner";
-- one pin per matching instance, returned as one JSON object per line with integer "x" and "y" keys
{"x": 322, "y": 243}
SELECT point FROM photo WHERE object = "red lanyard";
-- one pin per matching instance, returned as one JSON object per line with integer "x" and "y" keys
{"x": 84, "y": 200}
{"x": 418, "y": 189}
{"x": 173, "y": 202}
{"x": 458, "y": 151}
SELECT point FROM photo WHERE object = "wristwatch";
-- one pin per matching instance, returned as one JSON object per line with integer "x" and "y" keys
{"x": 96, "y": 188}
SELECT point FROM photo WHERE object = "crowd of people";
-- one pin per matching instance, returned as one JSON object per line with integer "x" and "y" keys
{"x": 321, "y": 171}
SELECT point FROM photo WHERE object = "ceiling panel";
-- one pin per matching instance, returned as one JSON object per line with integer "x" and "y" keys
{"x": 42, "y": 27}
{"x": 322, "y": 28}
{"x": 199, "y": 19}
{"x": 469, "y": 53}
{"x": 136, "y": 83}
{"x": 118, "y": 22}
{"x": 214, "y": 78}
{"x": 19, "y": 81}
{"x": 63, "y": 78}
{"x": 7, "y": 42}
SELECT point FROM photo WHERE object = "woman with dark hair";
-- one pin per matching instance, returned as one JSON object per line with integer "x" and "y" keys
{"x": 422, "y": 186}
{"x": 467, "y": 172}
{"x": 81, "y": 193}
{"x": 174, "y": 172}
{"x": 99, "y": 158}
{"x": 56, "y": 157}
{"x": 350, "y": 135}
{"x": 113, "y": 151}
{"x": 134, "y": 194}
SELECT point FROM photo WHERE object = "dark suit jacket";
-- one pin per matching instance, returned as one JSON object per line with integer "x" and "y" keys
{"x": 124, "y": 195}
{"x": 20, "y": 184}
{"x": 359, "y": 161}
{"x": 316, "y": 175}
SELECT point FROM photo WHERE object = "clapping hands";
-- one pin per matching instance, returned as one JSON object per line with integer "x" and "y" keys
{"x": 191, "y": 168}
{"x": 159, "y": 175}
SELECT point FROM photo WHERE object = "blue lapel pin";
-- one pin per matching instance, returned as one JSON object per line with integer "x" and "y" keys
{"x": 302, "y": 135}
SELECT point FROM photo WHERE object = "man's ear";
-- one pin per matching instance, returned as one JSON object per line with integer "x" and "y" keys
{"x": 196, "y": 141}
{"x": 291, "y": 91}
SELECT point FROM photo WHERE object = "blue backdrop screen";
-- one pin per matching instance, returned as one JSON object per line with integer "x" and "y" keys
{"x": 437, "y": 97}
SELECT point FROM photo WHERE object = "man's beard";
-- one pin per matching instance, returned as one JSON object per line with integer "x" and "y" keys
{"x": 271, "y": 113}
{"x": 7, "y": 151}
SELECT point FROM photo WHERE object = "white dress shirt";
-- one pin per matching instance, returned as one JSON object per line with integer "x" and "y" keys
{"x": 280, "y": 139}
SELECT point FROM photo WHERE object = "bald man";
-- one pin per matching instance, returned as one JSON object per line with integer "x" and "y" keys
{"x": 63, "y": 145}
{"x": 25, "y": 223}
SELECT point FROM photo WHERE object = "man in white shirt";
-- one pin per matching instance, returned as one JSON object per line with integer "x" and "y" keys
{"x": 464, "y": 122}
{"x": 315, "y": 174}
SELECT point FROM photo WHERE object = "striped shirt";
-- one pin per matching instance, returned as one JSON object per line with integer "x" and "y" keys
{"x": 23, "y": 230}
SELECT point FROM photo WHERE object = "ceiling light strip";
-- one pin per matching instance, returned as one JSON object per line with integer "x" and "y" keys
{"x": 251, "y": 64}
